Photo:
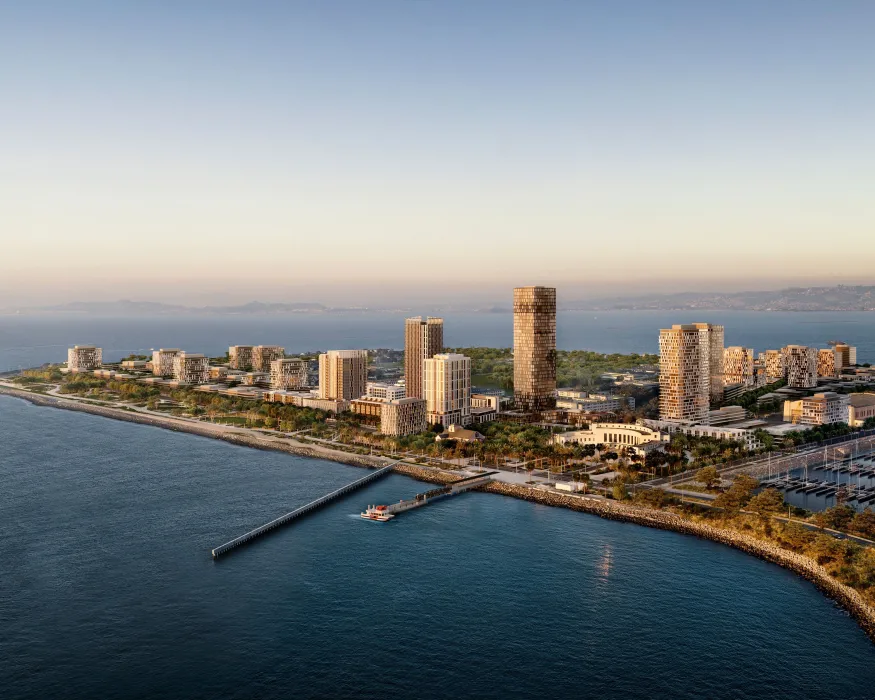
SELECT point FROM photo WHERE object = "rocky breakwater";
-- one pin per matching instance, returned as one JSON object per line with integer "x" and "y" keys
{"x": 809, "y": 569}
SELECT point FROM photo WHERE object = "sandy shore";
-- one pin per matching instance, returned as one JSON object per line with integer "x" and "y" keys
{"x": 846, "y": 596}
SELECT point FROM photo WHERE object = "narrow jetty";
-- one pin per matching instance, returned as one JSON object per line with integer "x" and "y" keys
{"x": 303, "y": 510}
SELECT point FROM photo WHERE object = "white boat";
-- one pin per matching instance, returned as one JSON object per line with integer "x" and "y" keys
{"x": 377, "y": 513}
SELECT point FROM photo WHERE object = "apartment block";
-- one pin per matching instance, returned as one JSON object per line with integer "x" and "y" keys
{"x": 534, "y": 348}
{"x": 773, "y": 361}
{"x": 83, "y": 358}
{"x": 406, "y": 416}
{"x": 422, "y": 339}
{"x": 288, "y": 373}
{"x": 240, "y": 356}
{"x": 263, "y": 355}
{"x": 829, "y": 362}
{"x": 684, "y": 373}
{"x": 447, "y": 385}
{"x": 191, "y": 368}
{"x": 386, "y": 392}
{"x": 162, "y": 361}
{"x": 712, "y": 343}
{"x": 800, "y": 366}
{"x": 820, "y": 409}
{"x": 343, "y": 374}
{"x": 738, "y": 366}
{"x": 847, "y": 354}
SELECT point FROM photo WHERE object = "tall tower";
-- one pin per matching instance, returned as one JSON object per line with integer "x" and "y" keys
{"x": 684, "y": 373}
{"x": 534, "y": 348}
{"x": 422, "y": 340}
{"x": 446, "y": 383}
{"x": 712, "y": 342}
{"x": 343, "y": 374}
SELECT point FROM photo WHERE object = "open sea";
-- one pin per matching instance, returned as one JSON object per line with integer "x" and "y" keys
{"x": 108, "y": 589}
{"x": 30, "y": 340}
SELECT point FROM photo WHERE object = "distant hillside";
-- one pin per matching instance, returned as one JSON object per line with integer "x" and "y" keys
{"x": 150, "y": 307}
{"x": 840, "y": 298}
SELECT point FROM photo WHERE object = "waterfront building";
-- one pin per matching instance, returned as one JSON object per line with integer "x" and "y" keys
{"x": 343, "y": 374}
{"x": 746, "y": 436}
{"x": 422, "y": 339}
{"x": 712, "y": 344}
{"x": 84, "y": 358}
{"x": 800, "y": 366}
{"x": 162, "y": 361}
{"x": 574, "y": 400}
{"x": 191, "y": 368}
{"x": 773, "y": 361}
{"x": 738, "y": 366}
{"x": 263, "y": 355}
{"x": 240, "y": 357}
{"x": 685, "y": 373}
{"x": 636, "y": 438}
{"x": 288, "y": 373}
{"x": 447, "y": 388}
{"x": 820, "y": 409}
{"x": 534, "y": 348}
{"x": 404, "y": 416}
{"x": 861, "y": 407}
{"x": 829, "y": 362}
{"x": 386, "y": 392}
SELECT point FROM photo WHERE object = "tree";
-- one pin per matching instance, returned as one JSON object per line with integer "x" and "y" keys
{"x": 737, "y": 495}
{"x": 619, "y": 491}
{"x": 837, "y": 517}
{"x": 864, "y": 523}
{"x": 652, "y": 498}
{"x": 708, "y": 476}
{"x": 767, "y": 501}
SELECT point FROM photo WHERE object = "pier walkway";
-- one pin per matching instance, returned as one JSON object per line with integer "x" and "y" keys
{"x": 303, "y": 510}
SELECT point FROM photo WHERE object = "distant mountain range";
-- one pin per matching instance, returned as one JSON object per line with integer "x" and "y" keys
{"x": 839, "y": 298}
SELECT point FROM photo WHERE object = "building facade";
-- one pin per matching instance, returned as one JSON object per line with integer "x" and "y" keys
{"x": 191, "y": 368}
{"x": 800, "y": 366}
{"x": 712, "y": 343}
{"x": 343, "y": 374}
{"x": 534, "y": 348}
{"x": 263, "y": 355}
{"x": 288, "y": 373}
{"x": 447, "y": 388}
{"x": 385, "y": 392}
{"x": 738, "y": 366}
{"x": 684, "y": 374}
{"x": 162, "y": 361}
{"x": 422, "y": 339}
{"x": 240, "y": 357}
{"x": 829, "y": 362}
{"x": 773, "y": 361}
{"x": 574, "y": 400}
{"x": 745, "y": 436}
{"x": 636, "y": 438}
{"x": 847, "y": 354}
{"x": 400, "y": 417}
{"x": 820, "y": 409}
{"x": 860, "y": 409}
{"x": 83, "y": 358}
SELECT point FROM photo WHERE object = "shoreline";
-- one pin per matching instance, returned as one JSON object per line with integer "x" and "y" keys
{"x": 845, "y": 596}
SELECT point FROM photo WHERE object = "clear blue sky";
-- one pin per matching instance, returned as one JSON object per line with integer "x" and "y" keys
{"x": 327, "y": 150}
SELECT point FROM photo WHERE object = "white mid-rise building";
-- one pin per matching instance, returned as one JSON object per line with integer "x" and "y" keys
{"x": 191, "y": 368}
{"x": 288, "y": 373}
{"x": 447, "y": 389}
{"x": 385, "y": 392}
{"x": 162, "y": 361}
{"x": 84, "y": 358}
{"x": 821, "y": 409}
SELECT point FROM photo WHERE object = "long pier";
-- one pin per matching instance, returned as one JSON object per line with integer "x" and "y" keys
{"x": 303, "y": 510}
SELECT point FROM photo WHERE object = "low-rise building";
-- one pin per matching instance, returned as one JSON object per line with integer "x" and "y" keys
{"x": 191, "y": 368}
{"x": 574, "y": 400}
{"x": 460, "y": 434}
{"x": 861, "y": 407}
{"x": 635, "y": 437}
{"x": 162, "y": 361}
{"x": 84, "y": 358}
{"x": 821, "y": 409}
{"x": 726, "y": 415}
{"x": 746, "y": 436}
{"x": 405, "y": 416}
{"x": 256, "y": 379}
{"x": 135, "y": 364}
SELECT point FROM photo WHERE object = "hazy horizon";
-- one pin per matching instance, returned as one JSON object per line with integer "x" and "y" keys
{"x": 408, "y": 153}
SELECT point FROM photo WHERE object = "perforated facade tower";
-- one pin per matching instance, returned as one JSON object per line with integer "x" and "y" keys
{"x": 288, "y": 374}
{"x": 240, "y": 356}
{"x": 191, "y": 368}
{"x": 422, "y": 340}
{"x": 162, "y": 361}
{"x": 263, "y": 355}
{"x": 712, "y": 341}
{"x": 800, "y": 364}
{"x": 738, "y": 366}
{"x": 343, "y": 374}
{"x": 84, "y": 357}
{"x": 774, "y": 362}
{"x": 829, "y": 362}
{"x": 534, "y": 348}
{"x": 684, "y": 374}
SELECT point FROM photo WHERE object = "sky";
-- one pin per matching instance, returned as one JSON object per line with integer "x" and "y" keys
{"x": 384, "y": 151}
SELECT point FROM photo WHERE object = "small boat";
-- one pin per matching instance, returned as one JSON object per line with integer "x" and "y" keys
{"x": 379, "y": 513}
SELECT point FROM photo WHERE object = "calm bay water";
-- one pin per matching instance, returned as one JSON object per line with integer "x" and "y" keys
{"x": 108, "y": 589}
{"x": 31, "y": 340}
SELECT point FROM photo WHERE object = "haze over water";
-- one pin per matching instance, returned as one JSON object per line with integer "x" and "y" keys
{"x": 109, "y": 590}
{"x": 27, "y": 341}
